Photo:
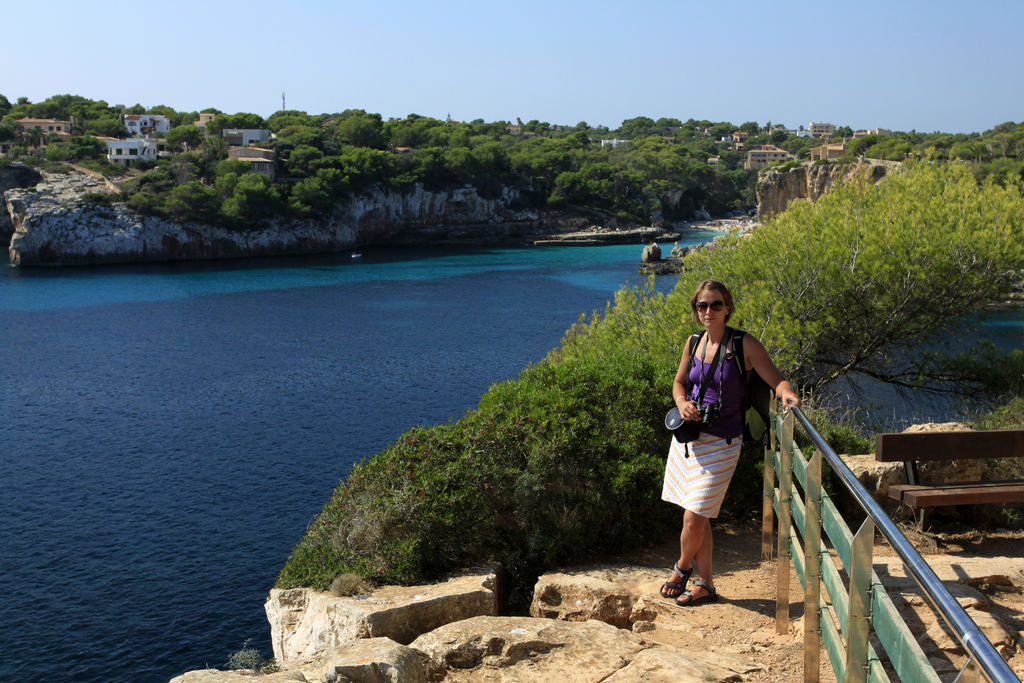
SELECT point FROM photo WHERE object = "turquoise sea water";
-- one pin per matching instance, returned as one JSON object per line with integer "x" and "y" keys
{"x": 38, "y": 290}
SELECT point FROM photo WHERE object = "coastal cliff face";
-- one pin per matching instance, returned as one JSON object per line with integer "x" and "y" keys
{"x": 54, "y": 225}
{"x": 14, "y": 176}
{"x": 775, "y": 190}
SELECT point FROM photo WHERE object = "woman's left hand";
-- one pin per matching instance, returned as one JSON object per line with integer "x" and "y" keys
{"x": 789, "y": 398}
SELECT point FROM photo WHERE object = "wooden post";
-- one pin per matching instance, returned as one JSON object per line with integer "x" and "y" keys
{"x": 785, "y": 520}
{"x": 812, "y": 570}
{"x": 859, "y": 620}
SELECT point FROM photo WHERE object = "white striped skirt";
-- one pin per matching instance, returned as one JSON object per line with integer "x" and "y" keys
{"x": 698, "y": 483}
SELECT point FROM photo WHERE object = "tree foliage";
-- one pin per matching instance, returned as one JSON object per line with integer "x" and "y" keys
{"x": 893, "y": 268}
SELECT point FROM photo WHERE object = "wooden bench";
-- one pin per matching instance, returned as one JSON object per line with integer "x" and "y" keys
{"x": 912, "y": 448}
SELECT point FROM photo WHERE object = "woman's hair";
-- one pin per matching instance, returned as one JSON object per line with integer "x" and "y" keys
{"x": 715, "y": 286}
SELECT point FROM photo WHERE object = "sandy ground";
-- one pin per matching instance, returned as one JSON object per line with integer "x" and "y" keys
{"x": 742, "y": 622}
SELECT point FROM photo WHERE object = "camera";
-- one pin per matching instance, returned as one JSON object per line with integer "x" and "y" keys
{"x": 708, "y": 414}
{"x": 689, "y": 430}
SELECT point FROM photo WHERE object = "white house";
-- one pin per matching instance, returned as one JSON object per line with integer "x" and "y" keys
{"x": 140, "y": 124}
{"x": 132, "y": 149}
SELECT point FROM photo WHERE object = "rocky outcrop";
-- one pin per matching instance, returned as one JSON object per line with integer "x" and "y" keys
{"x": 14, "y": 176}
{"x": 571, "y": 634}
{"x": 597, "y": 235}
{"x": 775, "y": 190}
{"x": 673, "y": 263}
{"x": 961, "y": 576}
{"x": 603, "y": 596}
{"x": 304, "y": 621}
{"x": 584, "y": 626}
{"x": 55, "y": 224}
{"x": 528, "y": 649}
{"x": 652, "y": 252}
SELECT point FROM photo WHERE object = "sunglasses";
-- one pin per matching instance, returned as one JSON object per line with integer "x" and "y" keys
{"x": 713, "y": 305}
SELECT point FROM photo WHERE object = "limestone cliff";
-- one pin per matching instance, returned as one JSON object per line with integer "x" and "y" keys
{"x": 54, "y": 225}
{"x": 14, "y": 176}
{"x": 775, "y": 190}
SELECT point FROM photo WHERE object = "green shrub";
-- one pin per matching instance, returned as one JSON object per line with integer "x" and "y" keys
{"x": 249, "y": 658}
{"x": 103, "y": 166}
{"x": 100, "y": 198}
{"x": 1009, "y": 416}
{"x": 563, "y": 463}
{"x": 348, "y": 584}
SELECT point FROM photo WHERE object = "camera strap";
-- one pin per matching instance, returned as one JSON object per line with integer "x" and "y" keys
{"x": 710, "y": 369}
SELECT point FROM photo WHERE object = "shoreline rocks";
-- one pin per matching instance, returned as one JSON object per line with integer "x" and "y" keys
{"x": 59, "y": 219}
{"x": 56, "y": 224}
{"x": 598, "y": 235}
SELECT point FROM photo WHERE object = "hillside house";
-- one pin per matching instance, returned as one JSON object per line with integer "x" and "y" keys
{"x": 884, "y": 132}
{"x": 205, "y": 118}
{"x": 45, "y": 125}
{"x": 822, "y": 130}
{"x": 146, "y": 124}
{"x": 134, "y": 149}
{"x": 243, "y": 137}
{"x": 829, "y": 151}
{"x": 260, "y": 160}
{"x": 766, "y": 154}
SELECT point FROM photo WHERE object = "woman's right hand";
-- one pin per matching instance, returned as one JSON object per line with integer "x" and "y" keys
{"x": 688, "y": 411}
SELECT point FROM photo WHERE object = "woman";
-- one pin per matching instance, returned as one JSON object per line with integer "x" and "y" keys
{"x": 698, "y": 472}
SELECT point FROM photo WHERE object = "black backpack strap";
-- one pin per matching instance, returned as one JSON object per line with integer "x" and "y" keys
{"x": 737, "y": 353}
{"x": 694, "y": 343}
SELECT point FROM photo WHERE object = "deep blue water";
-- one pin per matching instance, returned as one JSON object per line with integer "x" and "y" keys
{"x": 167, "y": 432}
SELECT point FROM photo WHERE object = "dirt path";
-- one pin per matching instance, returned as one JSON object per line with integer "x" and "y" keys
{"x": 742, "y": 622}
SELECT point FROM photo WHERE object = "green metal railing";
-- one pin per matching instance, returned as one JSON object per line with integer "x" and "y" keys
{"x": 840, "y": 619}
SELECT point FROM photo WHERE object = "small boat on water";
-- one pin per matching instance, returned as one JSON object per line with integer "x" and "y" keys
{"x": 356, "y": 254}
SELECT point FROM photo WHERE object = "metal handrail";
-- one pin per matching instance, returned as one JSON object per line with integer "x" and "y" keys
{"x": 966, "y": 631}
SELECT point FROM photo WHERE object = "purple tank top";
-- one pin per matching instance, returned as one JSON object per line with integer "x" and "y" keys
{"x": 727, "y": 376}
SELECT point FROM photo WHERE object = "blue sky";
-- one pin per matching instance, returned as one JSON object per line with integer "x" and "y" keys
{"x": 903, "y": 65}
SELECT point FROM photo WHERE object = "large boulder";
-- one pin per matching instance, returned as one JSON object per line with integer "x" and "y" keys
{"x": 652, "y": 252}
{"x": 374, "y": 660}
{"x": 304, "y": 621}
{"x": 606, "y": 596}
